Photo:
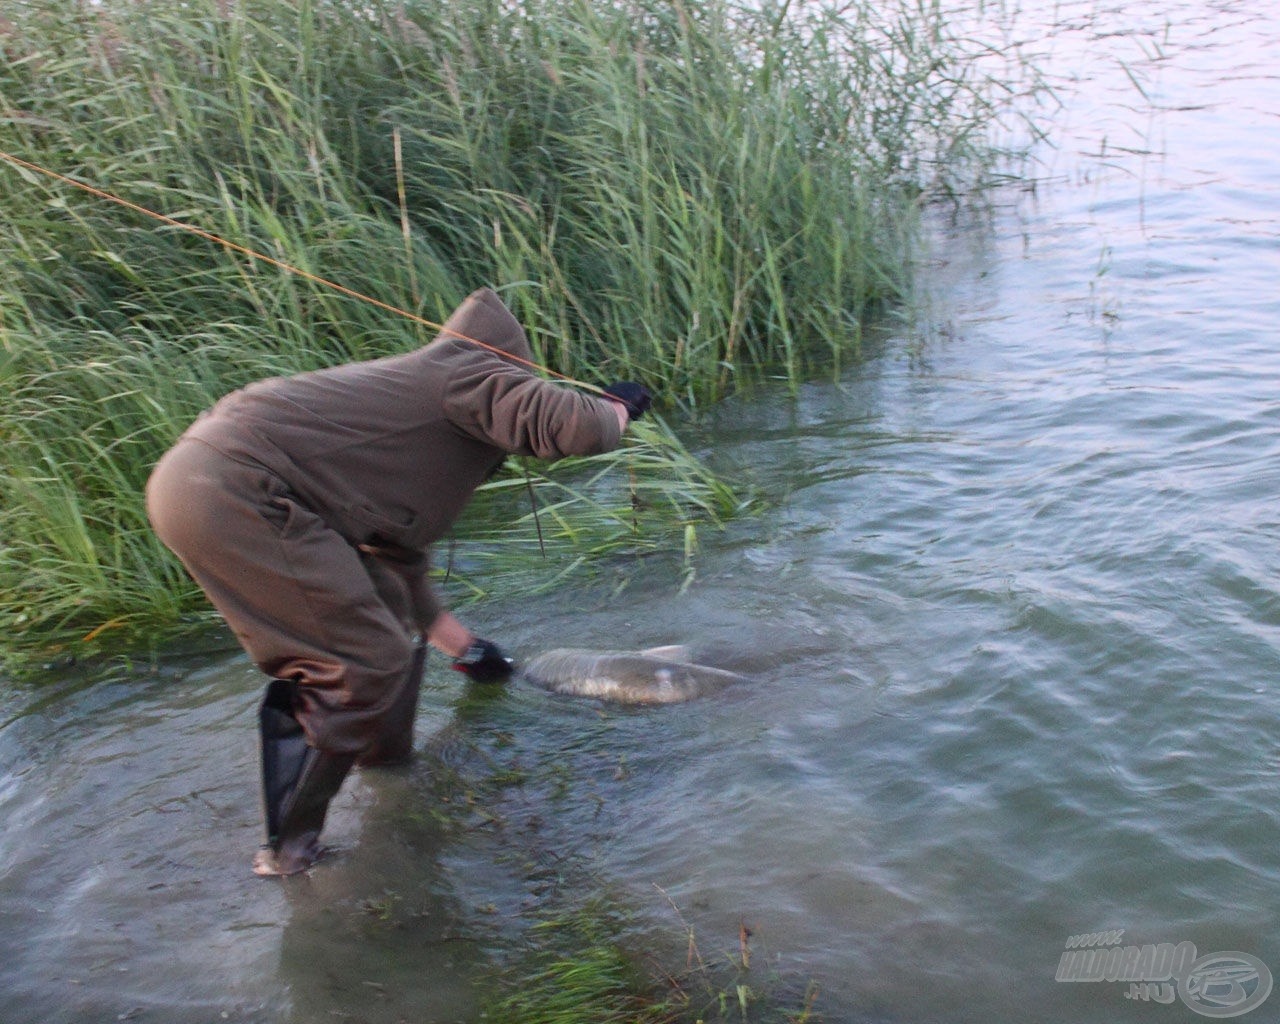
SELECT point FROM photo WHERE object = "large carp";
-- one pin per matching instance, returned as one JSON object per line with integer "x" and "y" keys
{"x": 659, "y": 675}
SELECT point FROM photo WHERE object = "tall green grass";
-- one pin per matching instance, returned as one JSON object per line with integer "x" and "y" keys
{"x": 689, "y": 194}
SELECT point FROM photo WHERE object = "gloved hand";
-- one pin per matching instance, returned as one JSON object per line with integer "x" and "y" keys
{"x": 634, "y": 396}
{"x": 484, "y": 662}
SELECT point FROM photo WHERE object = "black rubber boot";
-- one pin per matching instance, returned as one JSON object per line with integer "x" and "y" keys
{"x": 394, "y": 743}
{"x": 298, "y": 781}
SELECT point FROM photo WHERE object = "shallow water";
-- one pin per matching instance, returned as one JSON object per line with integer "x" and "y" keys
{"x": 1013, "y": 631}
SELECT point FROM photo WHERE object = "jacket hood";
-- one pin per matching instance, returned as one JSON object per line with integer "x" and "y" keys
{"x": 483, "y": 317}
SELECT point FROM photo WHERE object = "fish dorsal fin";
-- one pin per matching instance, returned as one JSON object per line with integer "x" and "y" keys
{"x": 674, "y": 652}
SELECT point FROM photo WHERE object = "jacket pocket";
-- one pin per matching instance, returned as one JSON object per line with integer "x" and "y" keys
{"x": 399, "y": 527}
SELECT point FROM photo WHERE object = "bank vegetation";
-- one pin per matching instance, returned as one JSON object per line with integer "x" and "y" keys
{"x": 695, "y": 195}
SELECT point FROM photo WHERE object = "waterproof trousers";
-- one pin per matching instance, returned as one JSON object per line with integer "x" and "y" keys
{"x": 335, "y": 627}
{"x": 305, "y": 604}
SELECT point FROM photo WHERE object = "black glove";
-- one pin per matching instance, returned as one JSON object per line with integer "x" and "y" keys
{"x": 484, "y": 662}
{"x": 634, "y": 396}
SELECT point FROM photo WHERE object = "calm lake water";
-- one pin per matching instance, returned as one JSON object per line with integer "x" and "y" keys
{"x": 1014, "y": 627}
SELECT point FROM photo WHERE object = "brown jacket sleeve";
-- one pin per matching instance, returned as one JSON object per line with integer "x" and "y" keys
{"x": 503, "y": 404}
{"x": 427, "y": 605}
{"x": 414, "y": 571}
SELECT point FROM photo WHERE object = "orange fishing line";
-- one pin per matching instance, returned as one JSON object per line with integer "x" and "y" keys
{"x": 352, "y": 293}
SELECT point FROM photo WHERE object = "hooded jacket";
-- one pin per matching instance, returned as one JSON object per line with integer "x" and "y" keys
{"x": 388, "y": 452}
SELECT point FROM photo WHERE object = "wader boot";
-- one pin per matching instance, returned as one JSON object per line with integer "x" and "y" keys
{"x": 298, "y": 781}
{"x": 394, "y": 743}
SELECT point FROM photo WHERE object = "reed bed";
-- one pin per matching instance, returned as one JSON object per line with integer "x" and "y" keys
{"x": 692, "y": 195}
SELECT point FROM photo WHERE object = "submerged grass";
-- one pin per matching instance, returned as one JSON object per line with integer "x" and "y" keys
{"x": 581, "y": 964}
{"x": 576, "y": 970}
{"x": 687, "y": 194}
